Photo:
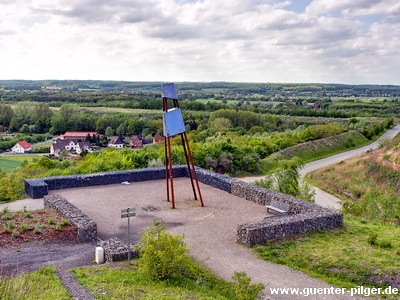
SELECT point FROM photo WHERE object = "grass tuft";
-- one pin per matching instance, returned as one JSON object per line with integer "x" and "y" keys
{"x": 41, "y": 284}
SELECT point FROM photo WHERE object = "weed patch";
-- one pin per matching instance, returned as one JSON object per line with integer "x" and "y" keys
{"x": 41, "y": 284}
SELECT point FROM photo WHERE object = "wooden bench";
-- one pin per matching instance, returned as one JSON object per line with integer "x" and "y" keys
{"x": 279, "y": 207}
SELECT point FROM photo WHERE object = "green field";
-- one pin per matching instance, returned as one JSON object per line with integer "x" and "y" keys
{"x": 10, "y": 163}
{"x": 204, "y": 101}
{"x": 131, "y": 111}
{"x": 43, "y": 145}
{"x": 121, "y": 110}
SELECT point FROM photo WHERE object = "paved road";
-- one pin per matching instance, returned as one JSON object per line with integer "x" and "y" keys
{"x": 317, "y": 164}
{"x": 24, "y": 154}
{"x": 321, "y": 197}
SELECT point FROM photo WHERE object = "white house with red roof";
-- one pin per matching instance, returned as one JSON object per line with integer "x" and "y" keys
{"x": 22, "y": 147}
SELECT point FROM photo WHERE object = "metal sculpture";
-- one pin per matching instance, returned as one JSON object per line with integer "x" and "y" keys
{"x": 173, "y": 125}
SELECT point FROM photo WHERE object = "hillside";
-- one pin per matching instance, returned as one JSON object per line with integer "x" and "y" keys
{"x": 368, "y": 184}
{"x": 323, "y": 147}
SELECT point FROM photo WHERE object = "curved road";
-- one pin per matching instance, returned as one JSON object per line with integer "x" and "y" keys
{"x": 321, "y": 197}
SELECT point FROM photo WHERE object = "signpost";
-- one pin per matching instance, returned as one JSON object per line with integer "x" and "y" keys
{"x": 128, "y": 213}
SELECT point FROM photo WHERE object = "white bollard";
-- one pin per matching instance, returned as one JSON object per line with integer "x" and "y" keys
{"x": 99, "y": 255}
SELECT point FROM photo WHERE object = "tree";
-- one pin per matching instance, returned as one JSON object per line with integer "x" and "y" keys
{"x": 6, "y": 114}
{"x": 109, "y": 131}
{"x": 287, "y": 180}
{"x": 25, "y": 129}
{"x": 255, "y": 129}
{"x": 69, "y": 111}
{"x": 58, "y": 125}
{"x": 121, "y": 130}
{"x": 101, "y": 124}
{"x": 220, "y": 124}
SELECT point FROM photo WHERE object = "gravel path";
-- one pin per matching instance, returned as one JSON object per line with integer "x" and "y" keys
{"x": 29, "y": 257}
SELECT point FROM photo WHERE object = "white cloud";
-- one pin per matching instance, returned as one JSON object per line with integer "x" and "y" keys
{"x": 355, "y": 7}
{"x": 199, "y": 40}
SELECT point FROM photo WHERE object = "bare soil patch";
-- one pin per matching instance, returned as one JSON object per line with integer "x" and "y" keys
{"x": 32, "y": 226}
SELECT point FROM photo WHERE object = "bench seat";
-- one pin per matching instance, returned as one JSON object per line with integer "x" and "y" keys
{"x": 280, "y": 207}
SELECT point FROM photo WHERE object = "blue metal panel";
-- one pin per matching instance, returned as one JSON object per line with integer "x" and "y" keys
{"x": 173, "y": 122}
{"x": 168, "y": 91}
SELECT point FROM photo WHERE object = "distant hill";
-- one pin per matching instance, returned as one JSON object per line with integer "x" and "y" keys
{"x": 208, "y": 88}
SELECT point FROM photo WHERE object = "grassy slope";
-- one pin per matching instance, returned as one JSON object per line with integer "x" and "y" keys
{"x": 314, "y": 150}
{"x": 325, "y": 147}
{"x": 352, "y": 178}
{"x": 117, "y": 281}
{"x": 349, "y": 257}
{"x": 344, "y": 257}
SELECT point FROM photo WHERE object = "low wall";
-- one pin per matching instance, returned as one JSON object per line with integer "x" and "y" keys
{"x": 87, "y": 228}
{"x": 303, "y": 216}
{"x": 39, "y": 187}
{"x": 115, "y": 250}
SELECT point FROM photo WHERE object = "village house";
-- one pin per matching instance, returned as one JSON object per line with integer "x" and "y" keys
{"x": 78, "y": 135}
{"x": 116, "y": 143}
{"x": 22, "y": 147}
{"x": 68, "y": 145}
{"x": 157, "y": 139}
{"x": 135, "y": 142}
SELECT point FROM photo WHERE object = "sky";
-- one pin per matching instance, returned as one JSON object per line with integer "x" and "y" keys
{"x": 299, "y": 41}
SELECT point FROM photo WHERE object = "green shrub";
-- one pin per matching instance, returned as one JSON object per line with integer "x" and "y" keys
{"x": 36, "y": 230}
{"x": 39, "y": 225}
{"x": 6, "y": 229}
{"x": 25, "y": 227}
{"x": 51, "y": 221}
{"x": 372, "y": 239}
{"x": 242, "y": 288}
{"x": 11, "y": 224}
{"x": 287, "y": 180}
{"x": 15, "y": 233}
{"x": 6, "y": 217}
{"x": 385, "y": 245}
{"x": 163, "y": 255}
{"x": 28, "y": 215}
{"x": 64, "y": 222}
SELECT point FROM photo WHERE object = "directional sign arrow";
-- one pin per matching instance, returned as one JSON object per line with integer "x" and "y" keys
{"x": 128, "y": 215}
{"x": 128, "y": 210}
